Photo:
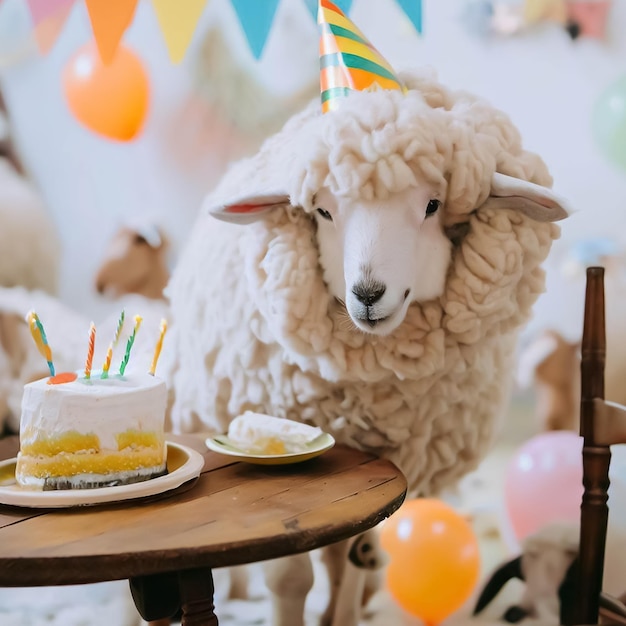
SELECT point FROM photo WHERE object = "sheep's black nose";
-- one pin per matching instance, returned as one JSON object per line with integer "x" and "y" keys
{"x": 368, "y": 292}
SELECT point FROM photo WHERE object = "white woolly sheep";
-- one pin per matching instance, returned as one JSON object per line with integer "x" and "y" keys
{"x": 381, "y": 295}
{"x": 29, "y": 245}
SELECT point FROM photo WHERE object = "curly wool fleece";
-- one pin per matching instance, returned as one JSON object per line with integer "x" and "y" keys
{"x": 257, "y": 329}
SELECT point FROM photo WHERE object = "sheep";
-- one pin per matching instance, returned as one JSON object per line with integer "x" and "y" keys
{"x": 29, "y": 242}
{"x": 135, "y": 261}
{"x": 392, "y": 254}
{"x": 548, "y": 567}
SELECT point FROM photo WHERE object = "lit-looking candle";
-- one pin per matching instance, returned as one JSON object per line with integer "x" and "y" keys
{"x": 129, "y": 344}
{"x": 159, "y": 345}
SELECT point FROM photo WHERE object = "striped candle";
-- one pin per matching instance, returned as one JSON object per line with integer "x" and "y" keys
{"x": 90, "y": 350}
{"x": 118, "y": 329}
{"x": 107, "y": 362}
{"x": 41, "y": 341}
{"x": 129, "y": 344}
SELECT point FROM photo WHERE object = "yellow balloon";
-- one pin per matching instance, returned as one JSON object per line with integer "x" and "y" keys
{"x": 434, "y": 559}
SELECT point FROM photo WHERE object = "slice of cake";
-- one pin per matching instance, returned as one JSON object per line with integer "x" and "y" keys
{"x": 257, "y": 433}
{"x": 90, "y": 433}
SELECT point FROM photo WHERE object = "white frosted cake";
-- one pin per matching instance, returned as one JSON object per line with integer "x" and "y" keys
{"x": 92, "y": 433}
{"x": 257, "y": 433}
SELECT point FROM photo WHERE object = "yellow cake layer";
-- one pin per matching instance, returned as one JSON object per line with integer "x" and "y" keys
{"x": 64, "y": 464}
{"x": 73, "y": 442}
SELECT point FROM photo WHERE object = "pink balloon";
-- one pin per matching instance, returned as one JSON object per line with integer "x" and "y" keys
{"x": 543, "y": 482}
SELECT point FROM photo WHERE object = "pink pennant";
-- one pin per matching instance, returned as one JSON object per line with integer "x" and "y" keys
{"x": 44, "y": 9}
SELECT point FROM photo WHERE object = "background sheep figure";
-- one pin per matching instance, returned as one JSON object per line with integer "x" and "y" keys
{"x": 393, "y": 252}
{"x": 548, "y": 567}
{"x": 135, "y": 261}
{"x": 29, "y": 245}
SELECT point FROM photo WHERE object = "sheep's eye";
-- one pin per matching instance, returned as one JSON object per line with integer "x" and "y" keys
{"x": 433, "y": 206}
{"x": 140, "y": 240}
{"x": 325, "y": 214}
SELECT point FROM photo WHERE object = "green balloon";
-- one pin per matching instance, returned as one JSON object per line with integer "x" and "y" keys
{"x": 609, "y": 122}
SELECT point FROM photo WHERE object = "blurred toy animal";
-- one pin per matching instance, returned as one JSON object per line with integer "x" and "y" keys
{"x": 551, "y": 364}
{"x": 135, "y": 262}
{"x": 29, "y": 245}
{"x": 548, "y": 567}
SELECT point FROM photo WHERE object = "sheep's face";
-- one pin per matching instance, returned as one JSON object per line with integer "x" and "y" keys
{"x": 379, "y": 256}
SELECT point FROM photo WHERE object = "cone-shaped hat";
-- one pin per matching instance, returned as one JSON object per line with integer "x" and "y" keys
{"x": 348, "y": 61}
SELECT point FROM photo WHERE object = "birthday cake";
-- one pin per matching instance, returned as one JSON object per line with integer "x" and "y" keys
{"x": 81, "y": 430}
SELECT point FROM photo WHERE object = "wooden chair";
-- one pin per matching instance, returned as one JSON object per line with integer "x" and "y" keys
{"x": 602, "y": 424}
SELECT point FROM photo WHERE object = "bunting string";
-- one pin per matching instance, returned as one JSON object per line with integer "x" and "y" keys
{"x": 177, "y": 21}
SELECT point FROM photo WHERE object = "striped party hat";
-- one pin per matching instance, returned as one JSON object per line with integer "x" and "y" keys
{"x": 348, "y": 61}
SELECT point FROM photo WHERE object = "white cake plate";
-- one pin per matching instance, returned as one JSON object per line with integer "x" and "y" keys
{"x": 183, "y": 464}
{"x": 223, "y": 445}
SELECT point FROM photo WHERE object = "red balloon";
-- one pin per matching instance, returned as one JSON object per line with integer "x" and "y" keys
{"x": 111, "y": 100}
{"x": 434, "y": 559}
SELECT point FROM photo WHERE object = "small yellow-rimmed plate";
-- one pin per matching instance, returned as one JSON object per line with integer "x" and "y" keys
{"x": 183, "y": 464}
{"x": 223, "y": 445}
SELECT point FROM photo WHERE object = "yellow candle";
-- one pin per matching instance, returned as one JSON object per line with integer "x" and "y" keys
{"x": 107, "y": 362}
{"x": 159, "y": 345}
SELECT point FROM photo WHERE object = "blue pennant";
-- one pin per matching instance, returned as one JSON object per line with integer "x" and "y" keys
{"x": 312, "y": 5}
{"x": 256, "y": 17}
{"x": 413, "y": 10}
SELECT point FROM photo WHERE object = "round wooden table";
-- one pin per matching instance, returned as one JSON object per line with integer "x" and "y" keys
{"x": 166, "y": 546}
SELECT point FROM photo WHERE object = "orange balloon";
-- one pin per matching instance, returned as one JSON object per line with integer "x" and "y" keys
{"x": 111, "y": 100}
{"x": 434, "y": 559}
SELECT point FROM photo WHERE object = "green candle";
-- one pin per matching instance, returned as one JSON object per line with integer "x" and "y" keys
{"x": 129, "y": 345}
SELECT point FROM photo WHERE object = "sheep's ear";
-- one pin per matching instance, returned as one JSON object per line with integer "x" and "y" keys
{"x": 537, "y": 202}
{"x": 247, "y": 209}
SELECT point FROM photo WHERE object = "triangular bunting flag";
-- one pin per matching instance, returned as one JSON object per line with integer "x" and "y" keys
{"x": 256, "y": 17}
{"x": 49, "y": 16}
{"x": 312, "y": 5}
{"x": 109, "y": 21}
{"x": 413, "y": 10}
{"x": 178, "y": 21}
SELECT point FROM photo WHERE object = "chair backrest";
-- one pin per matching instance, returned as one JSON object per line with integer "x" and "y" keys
{"x": 602, "y": 424}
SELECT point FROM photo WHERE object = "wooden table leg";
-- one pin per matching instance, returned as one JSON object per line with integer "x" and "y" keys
{"x": 196, "y": 594}
{"x": 156, "y": 597}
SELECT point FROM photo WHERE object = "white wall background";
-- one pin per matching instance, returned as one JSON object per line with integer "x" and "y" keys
{"x": 544, "y": 80}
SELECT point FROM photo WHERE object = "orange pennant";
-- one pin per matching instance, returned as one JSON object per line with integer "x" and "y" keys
{"x": 109, "y": 21}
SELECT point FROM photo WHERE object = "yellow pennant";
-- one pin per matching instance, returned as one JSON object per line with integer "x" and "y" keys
{"x": 178, "y": 21}
{"x": 109, "y": 21}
